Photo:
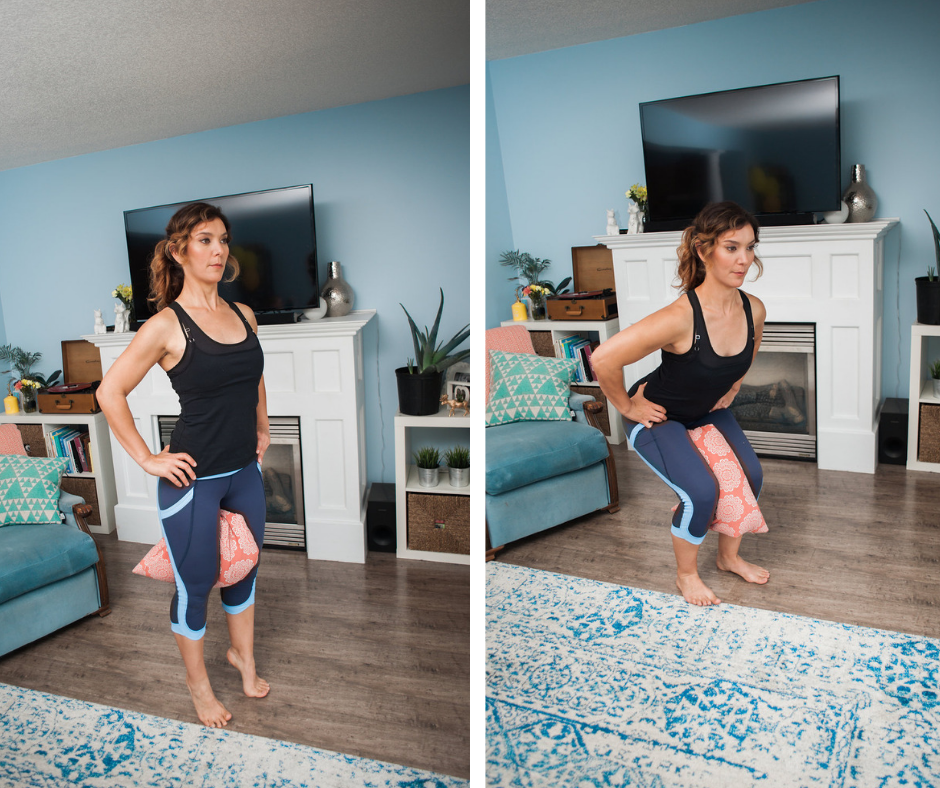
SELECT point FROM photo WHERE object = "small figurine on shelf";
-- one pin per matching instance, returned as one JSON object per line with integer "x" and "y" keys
{"x": 100, "y": 327}
{"x": 612, "y": 227}
{"x": 121, "y": 319}
{"x": 459, "y": 402}
{"x": 635, "y": 223}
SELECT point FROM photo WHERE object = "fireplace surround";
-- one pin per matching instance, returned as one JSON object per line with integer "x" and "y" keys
{"x": 830, "y": 275}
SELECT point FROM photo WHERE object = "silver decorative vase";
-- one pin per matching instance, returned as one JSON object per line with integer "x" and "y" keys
{"x": 459, "y": 477}
{"x": 428, "y": 477}
{"x": 859, "y": 197}
{"x": 336, "y": 293}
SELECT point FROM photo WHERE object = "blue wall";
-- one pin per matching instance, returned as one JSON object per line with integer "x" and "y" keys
{"x": 391, "y": 183}
{"x": 498, "y": 226}
{"x": 569, "y": 132}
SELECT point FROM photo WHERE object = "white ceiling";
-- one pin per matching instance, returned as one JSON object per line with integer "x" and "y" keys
{"x": 85, "y": 76}
{"x": 521, "y": 27}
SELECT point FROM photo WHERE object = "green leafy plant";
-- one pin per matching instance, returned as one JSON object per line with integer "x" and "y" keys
{"x": 457, "y": 457}
{"x": 529, "y": 271}
{"x": 931, "y": 274}
{"x": 23, "y": 363}
{"x": 429, "y": 355}
{"x": 935, "y": 370}
{"x": 427, "y": 457}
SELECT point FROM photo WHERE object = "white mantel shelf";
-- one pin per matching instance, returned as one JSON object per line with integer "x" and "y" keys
{"x": 828, "y": 274}
{"x": 849, "y": 231}
{"x": 312, "y": 370}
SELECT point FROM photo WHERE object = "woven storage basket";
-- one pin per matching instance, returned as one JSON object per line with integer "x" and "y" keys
{"x": 928, "y": 442}
{"x": 603, "y": 418}
{"x": 87, "y": 490}
{"x": 439, "y": 523}
{"x": 33, "y": 439}
{"x": 542, "y": 342}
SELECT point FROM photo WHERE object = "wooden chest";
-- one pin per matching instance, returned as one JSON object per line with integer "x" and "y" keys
{"x": 593, "y": 275}
{"x": 81, "y": 370}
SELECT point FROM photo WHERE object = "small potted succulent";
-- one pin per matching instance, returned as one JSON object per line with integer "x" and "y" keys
{"x": 935, "y": 374}
{"x": 458, "y": 465}
{"x": 428, "y": 460}
{"x": 928, "y": 287}
{"x": 419, "y": 381}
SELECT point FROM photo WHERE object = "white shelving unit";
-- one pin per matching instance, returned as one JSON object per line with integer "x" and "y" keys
{"x": 921, "y": 392}
{"x": 100, "y": 441}
{"x": 406, "y": 480}
{"x": 604, "y": 329}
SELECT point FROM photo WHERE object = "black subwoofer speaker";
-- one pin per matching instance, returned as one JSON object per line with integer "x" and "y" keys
{"x": 380, "y": 519}
{"x": 892, "y": 432}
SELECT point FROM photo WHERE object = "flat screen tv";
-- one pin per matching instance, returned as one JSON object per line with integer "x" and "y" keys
{"x": 774, "y": 149}
{"x": 274, "y": 239}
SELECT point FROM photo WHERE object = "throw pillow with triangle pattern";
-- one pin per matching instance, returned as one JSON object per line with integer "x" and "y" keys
{"x": 29, "y": 489}
{"x": 527, "y": 387}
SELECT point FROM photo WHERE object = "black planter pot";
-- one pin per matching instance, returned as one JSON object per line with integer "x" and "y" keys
{"x": 928, "y": 301}
{"x": 419, "y": 394}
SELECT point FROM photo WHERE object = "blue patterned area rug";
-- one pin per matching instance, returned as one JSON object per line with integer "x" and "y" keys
{"x": 592, "y": 684}
{"x": 50, "y": 741}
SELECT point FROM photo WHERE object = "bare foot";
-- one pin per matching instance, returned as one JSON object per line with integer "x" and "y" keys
{"x": 211, "y": 713}
{"x": 695, "y": 591}
{"x": 253, "y": 686}
{"x": 750, "y": 572}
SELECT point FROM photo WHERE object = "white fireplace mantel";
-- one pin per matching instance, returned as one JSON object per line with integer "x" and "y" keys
{"x": 312, "y": 370}
{"x": 828, "y": 274}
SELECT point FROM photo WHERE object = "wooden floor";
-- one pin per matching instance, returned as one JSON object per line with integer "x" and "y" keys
{"x": 370, "y": 660}
{"x": 847, "y": 547}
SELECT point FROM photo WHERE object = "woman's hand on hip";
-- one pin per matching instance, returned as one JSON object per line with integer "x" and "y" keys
{"x": 176, "y": 468}
{"x": 644, "y": 412}
{"x": 725, "y": 401}
{"x": 264, "y": 440}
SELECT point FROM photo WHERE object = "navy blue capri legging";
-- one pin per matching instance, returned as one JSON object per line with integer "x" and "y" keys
{"x": 189, "y": 517}
{"x": 667, "y": 448}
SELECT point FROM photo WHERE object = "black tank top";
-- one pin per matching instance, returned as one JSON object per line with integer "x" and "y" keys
{"x": 217, "y": 384}
{"x": 689, "y": 384}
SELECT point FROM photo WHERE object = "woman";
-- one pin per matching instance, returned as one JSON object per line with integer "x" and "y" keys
{"x": 209, "y": 349}
{"x": 708, "y": 338}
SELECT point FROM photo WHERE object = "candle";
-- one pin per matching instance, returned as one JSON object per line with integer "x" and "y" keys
{"x": 518, "y": 311}
{"x": 11, "y": 404}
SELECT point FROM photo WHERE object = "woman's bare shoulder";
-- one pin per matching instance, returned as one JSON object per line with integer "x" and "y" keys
{"x": 758, "y": 310}
{"x": 249, "y": 315}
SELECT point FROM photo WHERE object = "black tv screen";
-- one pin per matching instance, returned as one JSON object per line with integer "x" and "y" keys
{"x": 273, "y": 238}
{"x": 774, "y": 149}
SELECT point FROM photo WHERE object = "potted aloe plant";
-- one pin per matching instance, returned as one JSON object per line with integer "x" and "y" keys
{"x": 458, "y": 465}
{"x": 928, "y": 287}
{"x": 428, "y": 460}
{"x": 419, "y": 381}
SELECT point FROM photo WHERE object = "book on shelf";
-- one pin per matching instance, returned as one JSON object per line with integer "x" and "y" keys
{"x": 67, "y": 442}
{"x": 578, "y": 348}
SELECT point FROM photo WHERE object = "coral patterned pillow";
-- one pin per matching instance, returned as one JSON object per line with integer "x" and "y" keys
{"x": 238, "y": 553}
{"x": 737, "y": 512}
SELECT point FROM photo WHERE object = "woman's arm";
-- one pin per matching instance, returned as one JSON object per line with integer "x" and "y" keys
{"x": 146, "y": 349}
{"x": 662, "y": 329}
{"x": 261, "y": 414}
{"x": 759, "y": 315}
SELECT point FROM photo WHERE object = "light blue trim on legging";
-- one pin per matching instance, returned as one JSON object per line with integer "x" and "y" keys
{"x": 176, "y": 507}
{"x": 182, "y": 597}
{"x": 236, "y": 609}
{"x": 682, "y": 532}
{"x": 220, "y": 475}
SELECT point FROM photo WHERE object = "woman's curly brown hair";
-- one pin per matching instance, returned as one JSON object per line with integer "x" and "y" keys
{"x": 699, "y": 238}
{"x": 166, "y": 275}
